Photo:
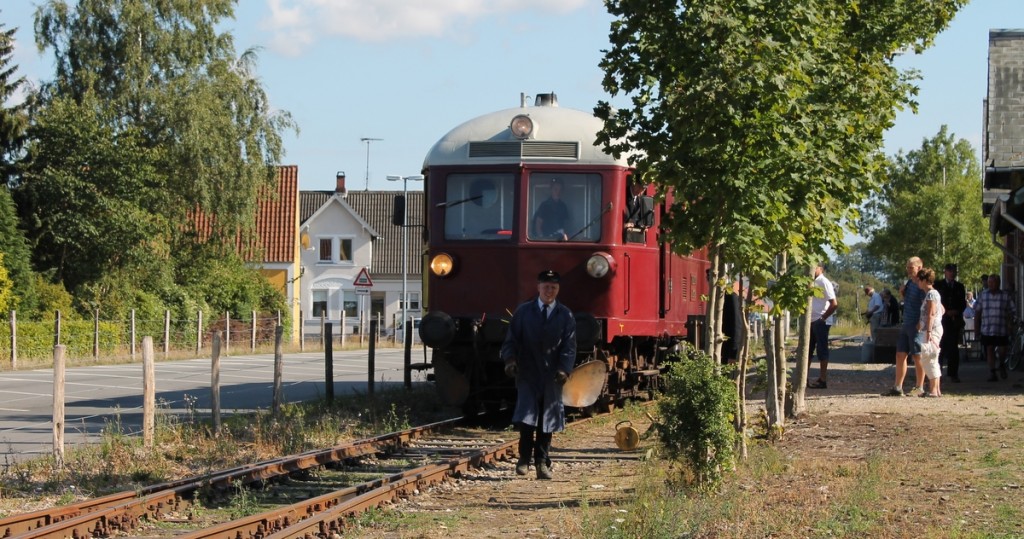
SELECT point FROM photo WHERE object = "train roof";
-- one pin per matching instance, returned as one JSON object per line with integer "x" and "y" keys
{"x": 560, "y": 135}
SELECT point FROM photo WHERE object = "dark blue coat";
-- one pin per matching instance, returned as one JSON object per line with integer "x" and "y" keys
{"x": 541, "y": 348}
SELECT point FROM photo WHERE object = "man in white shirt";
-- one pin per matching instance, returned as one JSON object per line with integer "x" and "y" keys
{"x": 823, "y": 304}
{"x": 875, "y": 309}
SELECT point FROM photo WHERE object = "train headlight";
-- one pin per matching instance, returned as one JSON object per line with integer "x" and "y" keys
{"x": 521, "y": 126}
{"x": 442, "y": 264}
{"x": 600, "y": 264}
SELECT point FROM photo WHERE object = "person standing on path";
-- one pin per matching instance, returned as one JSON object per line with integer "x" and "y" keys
{"x": 954, "y": 301}
{"x": 822, "y": 308}
{"x": 906, "y": 344}
{"x": 993, "y": 312}
{"x": 539, "y": 352}
{"x": 929, "y": 334}
{"x": 875, "y": 310}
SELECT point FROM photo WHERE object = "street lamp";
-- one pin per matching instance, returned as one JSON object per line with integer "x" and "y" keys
{"x": 405, "y": 245}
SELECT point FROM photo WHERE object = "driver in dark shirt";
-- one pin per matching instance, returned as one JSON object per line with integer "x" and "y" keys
{"x": 552, "y": 216}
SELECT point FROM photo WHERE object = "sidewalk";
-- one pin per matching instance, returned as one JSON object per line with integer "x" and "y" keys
{"x": 847, "y": 374}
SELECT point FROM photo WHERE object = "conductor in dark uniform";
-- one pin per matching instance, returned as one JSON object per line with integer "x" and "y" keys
{"x": 539, "y": 352}
{"x": 954, "y": 301}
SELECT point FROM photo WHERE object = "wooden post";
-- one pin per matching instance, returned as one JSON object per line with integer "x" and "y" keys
{"x": 279, "y": 317}
{"x": 148, "y": 392}
{"x": 199, "y": 332}
{"x": 278, "y": 370}
{"x": 323, "y": 320}
{"x": 96, "y": 334}
{"x": 329, "y": 365}
{"x": 167, "y": 335}
{"x": 372, "y": 359}
{"x": 302, "y": 332}
{"x": 14, "y": 340}
{"x": 227, "y": 333}
{"x": 215, "y": 383}
{"x": 56, "y": 328}
{"x": 58, "y": 405}
{"x": 132, "y": 331}
{"x": 342, "y": 331}
{"x": 252, "y": 338}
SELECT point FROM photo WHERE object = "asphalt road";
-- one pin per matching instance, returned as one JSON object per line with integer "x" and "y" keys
{"x": 110, "y": 396}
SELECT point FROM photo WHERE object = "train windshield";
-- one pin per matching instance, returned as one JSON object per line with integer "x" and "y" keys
{"x": 479, "y": 207}
{"x": 565, "y": 207}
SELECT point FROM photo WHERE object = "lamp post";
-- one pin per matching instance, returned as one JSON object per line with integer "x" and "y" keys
{"x": 405, "y": 244}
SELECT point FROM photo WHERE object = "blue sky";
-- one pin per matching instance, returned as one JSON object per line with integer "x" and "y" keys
{"x": 352, "y": 69}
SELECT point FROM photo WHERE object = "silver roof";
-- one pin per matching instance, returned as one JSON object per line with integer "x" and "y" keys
{"x": 559, "y": 135}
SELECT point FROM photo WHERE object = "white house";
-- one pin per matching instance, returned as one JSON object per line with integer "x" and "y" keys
{"x": 343, "y": 233}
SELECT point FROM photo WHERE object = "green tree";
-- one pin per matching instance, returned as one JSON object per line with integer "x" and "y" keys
{"x": 16, "y": 256}
{"x": 6, "y": 287}
{"x": 762, "y": 120}
{"x": 930, "y": 206}
{"x": 163, "y": 69}
{"x": 13, "y": 118}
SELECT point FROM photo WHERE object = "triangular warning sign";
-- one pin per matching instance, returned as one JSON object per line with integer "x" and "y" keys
{"x": 363, "y": 279}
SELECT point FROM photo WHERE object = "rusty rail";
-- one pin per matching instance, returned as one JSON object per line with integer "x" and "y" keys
{"x": 121, "y": 511}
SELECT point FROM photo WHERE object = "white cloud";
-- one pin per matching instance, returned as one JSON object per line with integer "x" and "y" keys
{"x": 296, "y": 24}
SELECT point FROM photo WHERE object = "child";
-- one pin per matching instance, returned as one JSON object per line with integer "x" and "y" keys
{"x": 929, "y": 331}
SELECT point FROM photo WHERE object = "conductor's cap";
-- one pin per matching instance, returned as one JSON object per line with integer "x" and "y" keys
{"x": 548, "y": 276}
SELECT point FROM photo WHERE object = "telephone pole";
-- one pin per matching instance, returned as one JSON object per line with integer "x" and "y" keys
{"x": 368, "y": 140}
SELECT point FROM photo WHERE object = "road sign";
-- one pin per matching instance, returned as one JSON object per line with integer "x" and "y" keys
{"x": 363, "y": 280}
{"x": 363, "y": 290}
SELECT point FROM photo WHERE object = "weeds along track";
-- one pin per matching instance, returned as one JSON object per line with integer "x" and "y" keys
{"x": 323, "y": 478}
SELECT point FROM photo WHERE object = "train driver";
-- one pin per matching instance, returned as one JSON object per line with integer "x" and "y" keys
{"x": 552, "y": 216}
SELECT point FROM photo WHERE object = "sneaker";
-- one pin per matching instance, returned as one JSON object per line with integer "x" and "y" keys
{"x": 917, "y": 392}
{"x": 543, "y": 471}
{"x": 818, "y": 384}
{"x": 522, "y": 467}
{"x": 893, "y": 393}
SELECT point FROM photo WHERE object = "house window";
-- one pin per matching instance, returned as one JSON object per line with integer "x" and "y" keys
{"x": 335, "y": 250}
{"x": 320, "y": 303}
{"x": 414, "y": 301}
{"x": 351, "y": 304}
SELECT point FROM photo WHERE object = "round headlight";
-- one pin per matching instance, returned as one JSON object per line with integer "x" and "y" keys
{"x": 521, "y": 126}
{"x": 442, "y": 264}
{"x": 600, "y": 264}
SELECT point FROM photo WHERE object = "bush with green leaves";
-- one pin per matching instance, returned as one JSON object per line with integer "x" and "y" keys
{"x": 696, "y": 427}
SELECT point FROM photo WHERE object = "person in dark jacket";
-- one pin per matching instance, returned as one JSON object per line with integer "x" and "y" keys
{"x": 539, "y": 352}
{"x": 954, "y": 301}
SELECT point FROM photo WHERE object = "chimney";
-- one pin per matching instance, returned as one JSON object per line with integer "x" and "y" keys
{"x": 340, "y": 186}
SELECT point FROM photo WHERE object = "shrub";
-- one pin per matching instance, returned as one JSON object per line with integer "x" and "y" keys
{"x": 696, "y": 419}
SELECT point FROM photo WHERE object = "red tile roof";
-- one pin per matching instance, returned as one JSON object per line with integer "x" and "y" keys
{"x": 275, "y": 234}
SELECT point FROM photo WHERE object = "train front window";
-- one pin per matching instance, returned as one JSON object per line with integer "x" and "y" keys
{"x": 565, "y": 207}
{"x": 479, "y": 207}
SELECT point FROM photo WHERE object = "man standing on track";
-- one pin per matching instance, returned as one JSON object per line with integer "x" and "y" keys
{"x": 539, "y": 352}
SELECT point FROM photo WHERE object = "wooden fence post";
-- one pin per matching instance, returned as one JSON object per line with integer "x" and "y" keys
{"x": 252, "y": 338}
{"x": 215, "y": 383}
{"x": 278, "y": 369}
{"x": 167, "y": 334}
{"x": 302, "y": 332}
{"x": 341, "y": 330}
{"x": 371, "y": 355}
{"x": 96, "y": 334}
{"x": 199, "y": 332}
{"x": 227, "y": 333}
{"x": 58, "y": 405}
{"x": 56, "y": 328}
{"x": 132, "y": 331}
{"x": 329, "y": 365}
{"x": 148, "y": 392}
{"x": 14, "y": 340}
{"x": 323, "y": 320}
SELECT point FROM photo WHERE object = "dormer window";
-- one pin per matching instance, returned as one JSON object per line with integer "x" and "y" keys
{"x": 335, "y": 250}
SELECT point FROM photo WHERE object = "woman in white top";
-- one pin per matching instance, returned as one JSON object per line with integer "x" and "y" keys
{"x": 929, "y": 333}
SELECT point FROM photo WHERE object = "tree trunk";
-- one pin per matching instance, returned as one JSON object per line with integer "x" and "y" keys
{"x": 799, "y": 406}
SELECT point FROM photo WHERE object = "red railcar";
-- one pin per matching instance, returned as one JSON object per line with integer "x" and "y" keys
{"x": 485, "y": 183}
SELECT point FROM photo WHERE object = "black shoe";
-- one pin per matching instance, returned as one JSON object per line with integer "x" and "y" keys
{"x": 543, "y": 471}
{"x": 1002, "y": 372}
{"x": 993, "y": 377}
{"x": 893, "y": 393}
{"x": 818, "y": 384}
{"x": 522, "y": 467}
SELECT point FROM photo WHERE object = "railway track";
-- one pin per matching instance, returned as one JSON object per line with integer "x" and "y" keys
{"x": 124, "y": 511}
